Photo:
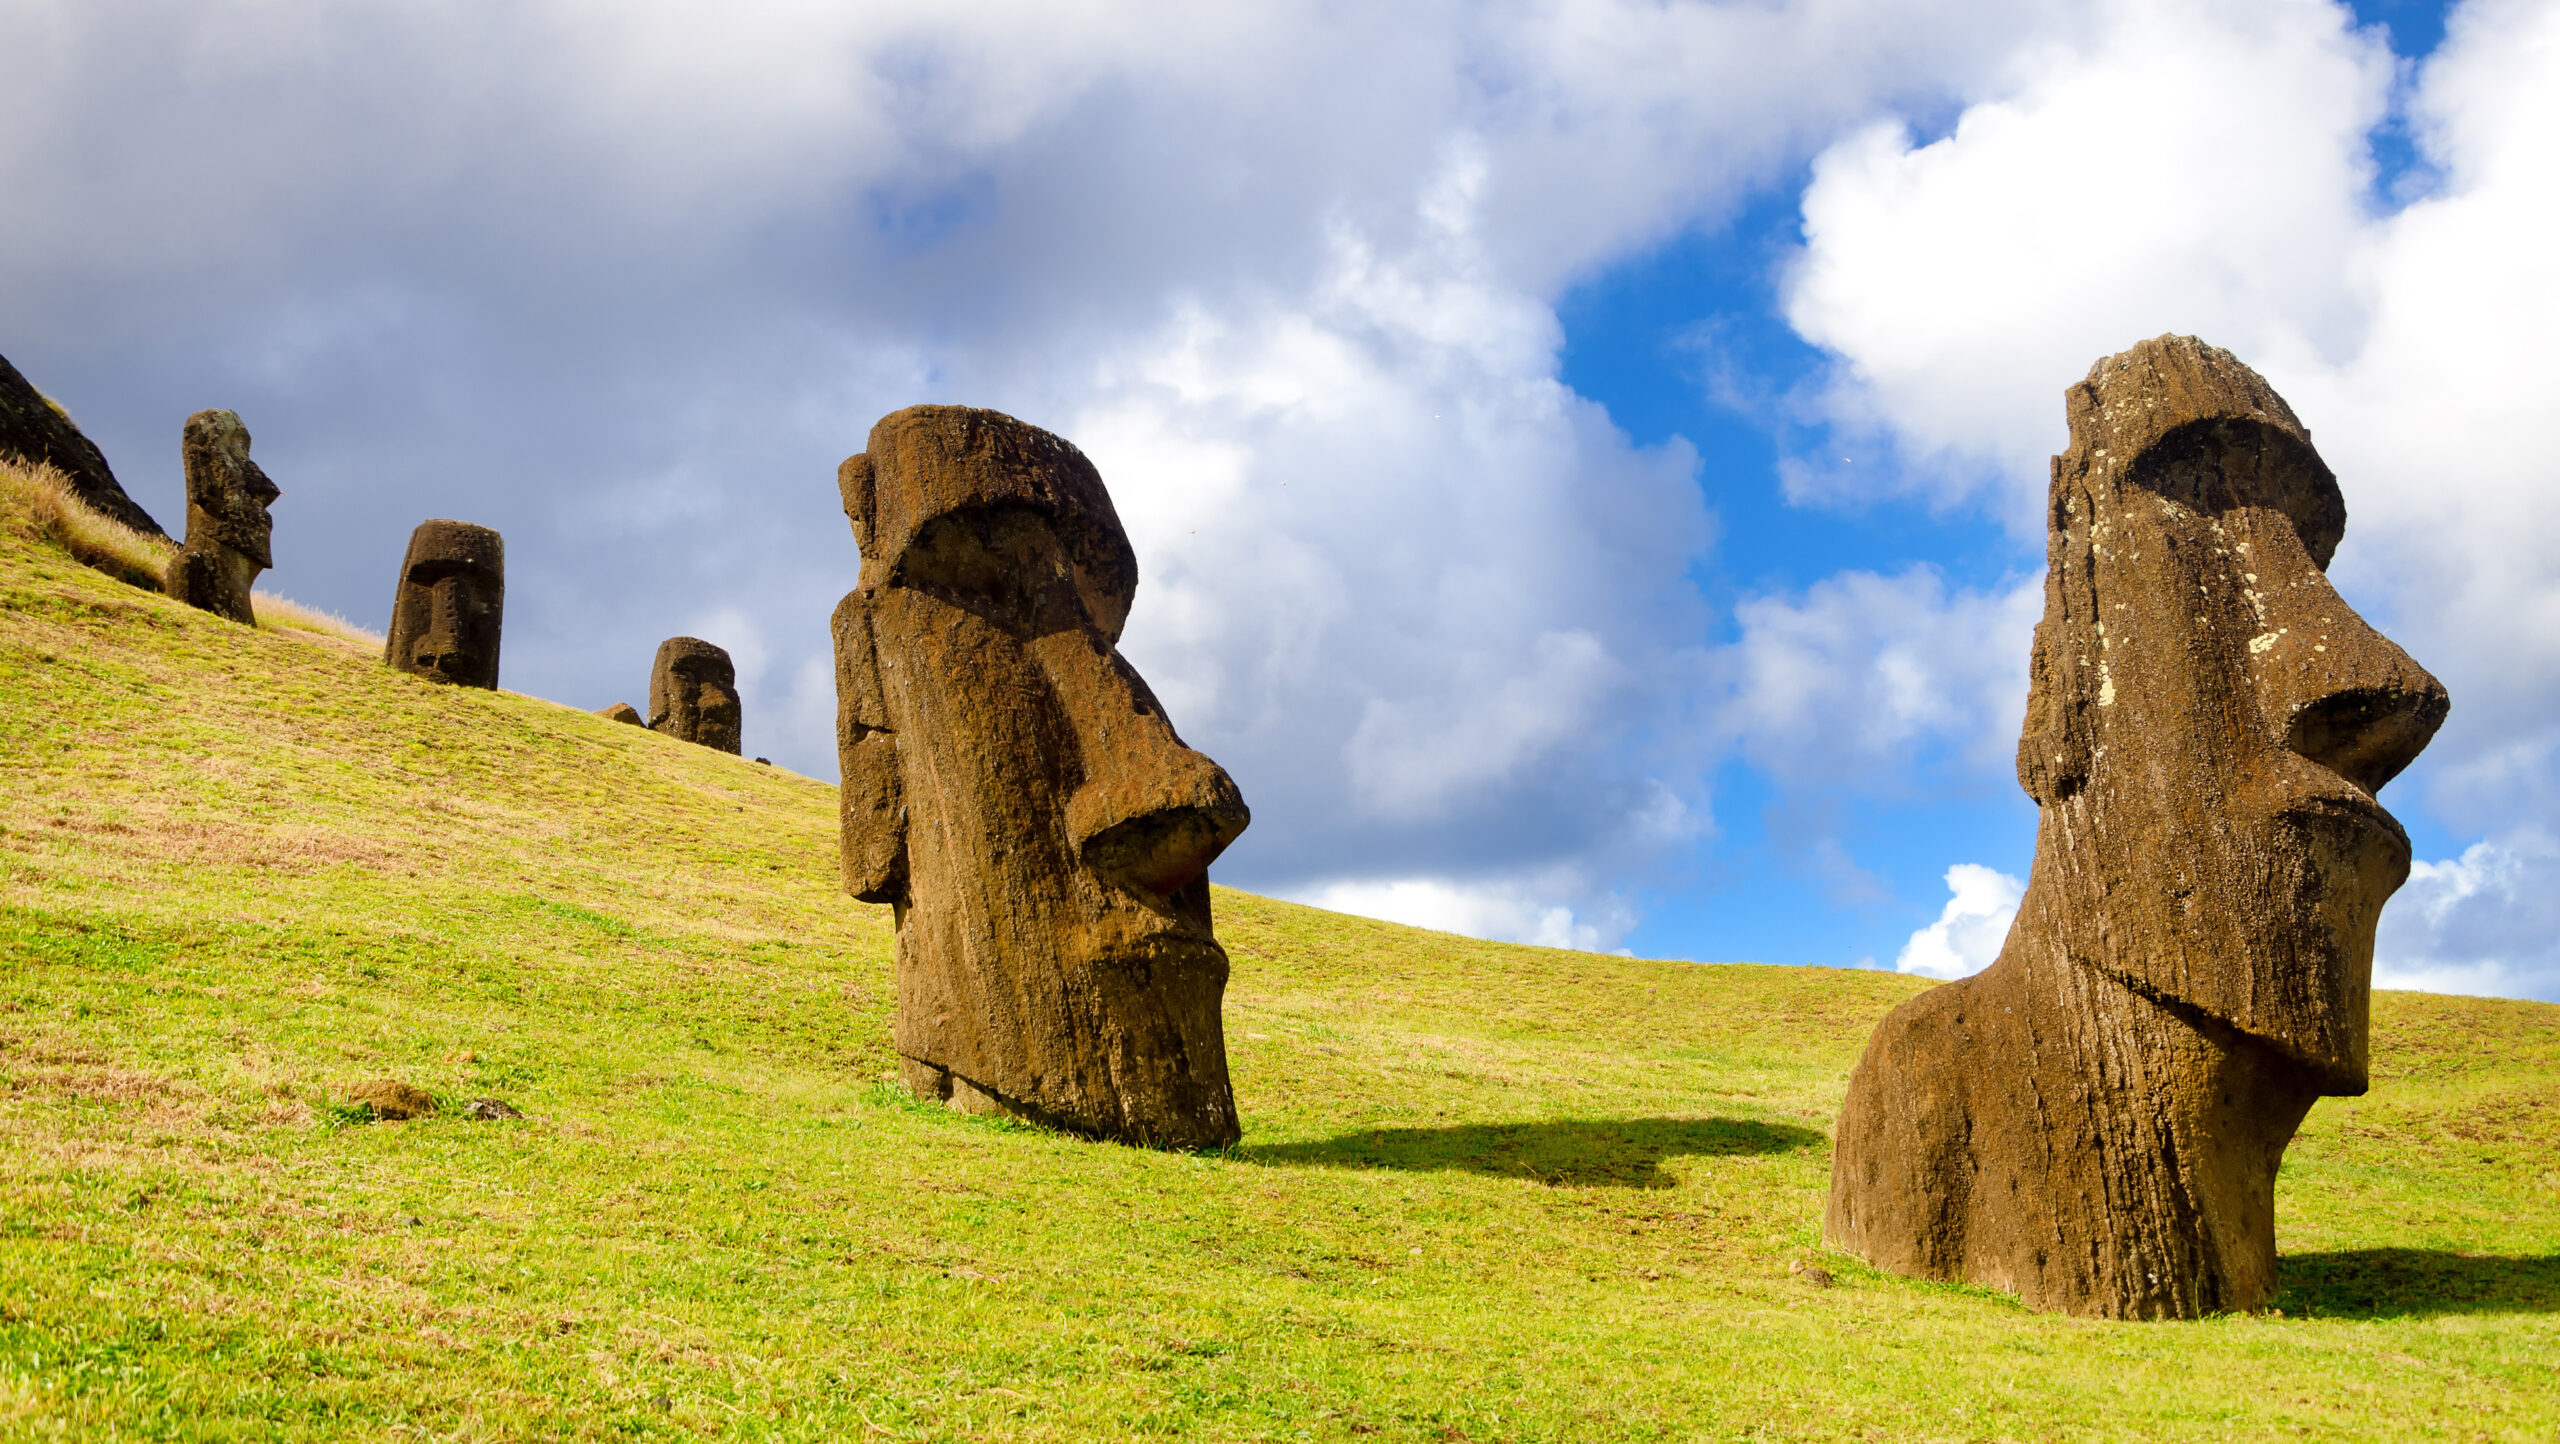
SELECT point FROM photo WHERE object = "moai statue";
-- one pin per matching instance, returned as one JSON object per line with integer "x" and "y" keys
{"x": 693, "y": 694}
{"x": 1012, "y": 786}
{"x": 622, "y": 712}
{"x": 228, "y": 529}
{"x": 2095, "y": 1121}
{"x": 447, "y": 610}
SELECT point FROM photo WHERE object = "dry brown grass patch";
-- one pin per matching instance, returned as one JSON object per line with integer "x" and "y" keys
{"x": 37, "y": 502}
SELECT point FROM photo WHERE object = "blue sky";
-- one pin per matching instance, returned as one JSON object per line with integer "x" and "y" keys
{"x": 1583, "y": 457}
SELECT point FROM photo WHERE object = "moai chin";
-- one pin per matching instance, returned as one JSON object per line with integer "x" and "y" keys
{"x": 447, "y": 611}
{"x": 228, "y": 529}
{"x": 693, "y": 694}
{"x": 1014, "y": 789}
{"x": 2095, "y": 1121}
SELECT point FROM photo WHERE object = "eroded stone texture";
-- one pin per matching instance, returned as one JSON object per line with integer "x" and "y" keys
{"x": 2095, "y": 1121}
{"x": 623, "y": 712}
{"x": 693, "y": 694}
{"x": 450, "y": 605}
{"x": 228, "y": 529}
{"x": 34, "y": 428}
{"x": 1014, "y": 788}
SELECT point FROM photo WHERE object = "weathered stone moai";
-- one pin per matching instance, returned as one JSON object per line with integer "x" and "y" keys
{"x": 1012, "y": 786}
{"x": 2095, "y": 1121}
{"x": 693, "y": 694}
{"x": 622, "y": 712}
{"x": 228, "y": 529}
{"x": 450, "y": 605}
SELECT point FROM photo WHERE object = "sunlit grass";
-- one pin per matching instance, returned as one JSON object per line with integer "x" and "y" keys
{"x": 1485, "y": 1192}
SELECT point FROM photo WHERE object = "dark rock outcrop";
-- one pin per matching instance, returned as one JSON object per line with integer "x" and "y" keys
{"x": 33, "y": 427}
{"x": 622, "y": 712}
{"x": 228, "y": 530}
{"x": 450, "y": 605}
{"x": 1014, "y": 788}
{"x": 2095, "y": 1121}
{"x": 693, "y": 694}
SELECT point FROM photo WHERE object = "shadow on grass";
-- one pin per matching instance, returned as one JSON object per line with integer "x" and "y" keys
{"x": 2394, "y": 1283}
{"x": 1581, "y": 1153}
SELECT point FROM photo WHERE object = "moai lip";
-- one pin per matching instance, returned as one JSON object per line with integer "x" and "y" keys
{"x": 1012, "y": 786}
{"x": 228, "y": 529}
{"x": 2095, "y": 1121}
{"x": 693, "y": 694}
{"x": 450, "y": 604}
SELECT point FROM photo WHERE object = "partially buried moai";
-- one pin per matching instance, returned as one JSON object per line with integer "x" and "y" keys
{"x": 448, "y": 609}
{"x": 2095, "y": 1122}
{"x": 1012, "y": 786}
{"x": 229, "y": 533}
{"x": 693, "y": 694}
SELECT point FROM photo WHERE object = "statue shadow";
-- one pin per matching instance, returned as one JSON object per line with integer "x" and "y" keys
{"x": 1578, "y": 1153}
{"x": 2397, "y": 1283}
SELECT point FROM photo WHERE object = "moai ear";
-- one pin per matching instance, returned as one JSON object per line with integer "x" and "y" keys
{"x": 871, "y": 801}
{"x": 853, "y": 483}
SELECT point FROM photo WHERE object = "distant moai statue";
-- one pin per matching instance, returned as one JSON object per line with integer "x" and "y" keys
{"x": 228, "y": 529}
{"x": 1014, "y": 788}
{"x": 622, "y": 712}
{"x": 693, "y": 694}
{"x": 2095, "y": 1122}
{"x": 447, "y": 611}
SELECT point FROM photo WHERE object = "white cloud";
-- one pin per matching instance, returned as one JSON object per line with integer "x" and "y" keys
{"x": 2206, "y": 168}
{"x": 1506, "y": 911}
{"x": 1853, "y": 681}
{"x": 2485, "y": 922}
{"x": 1970, "y": 930}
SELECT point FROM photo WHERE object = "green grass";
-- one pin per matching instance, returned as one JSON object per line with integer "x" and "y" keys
{"x": 1485, "y": 1192}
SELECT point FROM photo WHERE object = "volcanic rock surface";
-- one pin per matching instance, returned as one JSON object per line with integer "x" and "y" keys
{"x": 229, "y": 533}
{"x": 2095, "y": 1122}
{"x": 1014, "y": 788}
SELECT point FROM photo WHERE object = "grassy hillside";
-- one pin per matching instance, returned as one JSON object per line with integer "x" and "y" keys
{"x": 1485, "y": 1193}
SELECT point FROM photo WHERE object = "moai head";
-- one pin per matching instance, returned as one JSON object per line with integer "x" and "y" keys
{"x": 1014, "y": 788}
{"x": 693, "y": 694}
{"x": 2208, "y": 721}
{"x": 447, "y": 611}
{"x": 228, "y": 529}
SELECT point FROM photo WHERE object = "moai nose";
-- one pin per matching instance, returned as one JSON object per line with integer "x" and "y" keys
{"x": 2344, "y": 695}
{"x": 1151, "y": 814}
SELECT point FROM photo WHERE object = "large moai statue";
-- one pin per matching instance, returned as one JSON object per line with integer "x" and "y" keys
{"x": 2095, "y": 1121}
{"x": 228, "y": 529}
{"x": 1012, "y": 786}
{"x": 448, "y": 609}
{"x": 693, "y": 694}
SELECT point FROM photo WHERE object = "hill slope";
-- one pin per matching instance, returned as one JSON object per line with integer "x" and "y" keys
{"x": 1486, "y": 1192}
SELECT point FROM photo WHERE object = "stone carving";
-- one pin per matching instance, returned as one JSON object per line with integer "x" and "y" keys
{"x": 228, "y": 529}
{"x": 693, "y": 694}
{"x": 2095, "y": 1121}
{"x": 622, "y": 712}
{"x": 448, "y": 609}
{"x": 1012, "y": 786}
{"x": 33, "y": 427}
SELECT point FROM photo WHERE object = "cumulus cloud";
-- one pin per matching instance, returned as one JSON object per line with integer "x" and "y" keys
{"x": 2207, "y": 169}
{"x": 2485, "y": 922}
{"x": 1516, "y": 911}
{"x": 1859, "y": 678}
{"x": 1970, "y": 929}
